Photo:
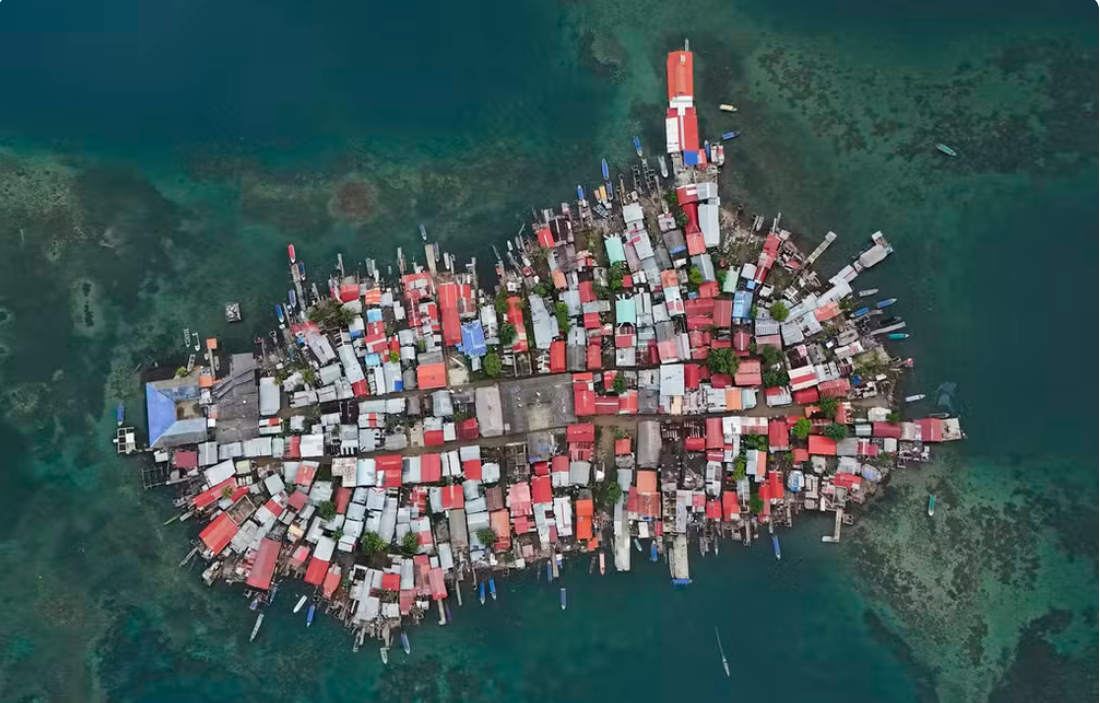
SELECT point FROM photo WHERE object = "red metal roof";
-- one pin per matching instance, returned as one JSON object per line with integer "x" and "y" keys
{"x": 332, "y": 581}
{"x": 581, "y": 432}
{"x": 434, "y": 438}
{"x": 453, "y": 497}
{"x": 607, "y": 405}
{"x": 847, "y": 480}
{"x": 264, "y": 564}
{"x": 391, "y": 582}
{"x": 730, "y": 505}
{"x": 431, "y": 376}
{"x": 886, "y": 429}
{"x": 541, "y": 489}
{"x": 837, "y": 388}
{"x": 591, "y": 320}
{"x": 806, "y": 396}
{"x": 213, "y": 494}
{"x": 715, "y": 439}
{"x": 779, "y": 438}
{"x": 587, "y": 292}
{"x": 822, "y": 446}
{"x": 628, "y": 403}
{"x": 931, "y": 429}
{"x": 218, "y": 533}
{"x": 431, "y": 468}
{"x": 185, "y": 460}
{"x": 695, "y": 444}
{"x": 559, "y": 464}
{"x": 315, "y": 572}
{"x": 546, "y": 239}
{"x": 681, "y": 81}
{"x": 584, "y": 403}
{"x": 468, "y": 429}
{"x": 298, "y": 500}
{"x": 343, "y": 497}
{"x": 472, "y": 469}
{"x": 557, "y": 356}
{"x": 503, "y": 527}
{"x": 801, "y": 455}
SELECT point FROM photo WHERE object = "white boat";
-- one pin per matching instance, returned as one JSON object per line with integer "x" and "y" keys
{"x": 256, "y": 627}
{"x": 725, "y": 663}
{"x": 301, "y": 602}
{"x": 384, "y": 652}
{"x": 726, "y": 107}
{"x": 603, "y": 566}
{"x": 663, "y": 164}
{"x": 914, "y": 398}
{"x": 868, "y": 292}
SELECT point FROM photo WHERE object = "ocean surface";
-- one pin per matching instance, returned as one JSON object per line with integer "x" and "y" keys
{"x": 156, "y": 158}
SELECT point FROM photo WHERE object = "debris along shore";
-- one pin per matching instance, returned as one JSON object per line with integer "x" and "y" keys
{"x": 650, "y": 367}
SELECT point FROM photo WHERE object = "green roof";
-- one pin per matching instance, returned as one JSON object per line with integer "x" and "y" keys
{"x": 615, "y": 252}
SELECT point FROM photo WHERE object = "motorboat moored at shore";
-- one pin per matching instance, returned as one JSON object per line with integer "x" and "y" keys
{"x": 301, "y": 603}
{"x": 898, "y": 335}
{"x": 603, "y": 169}
{"x": 638, "y": 146}
{"x": 663, "y": 165}
{"x": 291, "y": 253}
{"x": 256, "y": 627}
{"x": 885, "y": 303}
{"x": 561, "y": 594}
{"x": 492, "y": 588}
{"x": 914, "y": 398}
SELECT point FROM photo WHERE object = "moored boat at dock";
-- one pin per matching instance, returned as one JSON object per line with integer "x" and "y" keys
{"x": 603, "y": 565}
{"x": 898, "y": 335}
{"x": 580, "y": 192}
{"x": 301, "y": 602}
{"x": 731, "y": 135}
{"x": 638, "y": 146}
{"x": 492, "y": 588}
{"x": 885, "y": 303}
{"x": 775, "y": 547}
{"x": 663, "y": 165}
{"x": 384, "y": 652}
{"x": 310, "y": 613}
{"x": 867, "y": 292}
{"x": 279, "y": 314}
{"x": 120, "y": 414}
{"x": 291, "y": 253}
{"x": 637, "y": 544}
{"x": 561, "y": 594}
{"x": 405, "y": 643}
{"x": 603, "y": 169}
{"x": 914, "y": 398}
{"x": 726, "y": 107}
{"x": 481, "y": 593}
{"x": 256, "y": 627}
{"x": 423, "y": 233}
{"x": 653, "y": 551}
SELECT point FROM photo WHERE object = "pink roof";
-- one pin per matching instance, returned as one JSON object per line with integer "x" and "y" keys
{"x": 264, "y": 565}
{"x": 681, "y": 81}
{"x": 885, "y": 429}
{"x": 185, "y": 460}
{"x": 584, "y": 403}
{"x": 715, "y": 439}
{"x": 822, "y": 445}
{"x": 305, "y": 475}
{"x": 559, "y": 464}
{"x": 847, "y": 480}
{"x": 519, "y": 499}
{"x": 582, "y": 431}
{"x": 931, "y": 429}
{"x": 748, "y": 373}
{"x": 430, "y": 376}
{"x": 217, "y": 535}
{"x": 837, "y": 388}
{"x": 779, "y": 438}
{"x": 298, "y": 500}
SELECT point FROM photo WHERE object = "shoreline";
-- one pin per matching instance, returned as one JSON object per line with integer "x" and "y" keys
{"x": 703, "y": 423}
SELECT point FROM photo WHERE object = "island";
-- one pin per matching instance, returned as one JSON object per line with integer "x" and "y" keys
{"x": 649, "y": 370}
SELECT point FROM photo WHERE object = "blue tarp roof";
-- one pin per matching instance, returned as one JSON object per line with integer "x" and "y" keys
{"x": 473, "y": 339}
{"x": 691, "y": 158}
{"x": 161, "y": 411}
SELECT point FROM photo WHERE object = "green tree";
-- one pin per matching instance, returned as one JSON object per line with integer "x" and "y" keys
{"x": 372, "y": 543}
{"x": 773, "y": 378}
{"x": 619, "y": 384}
{"x": 327, "y": 510}
{"x": 771, "y": 355}
{"x": 695, "y": 277}
{"x": 739, "y": 466}
{"x": 802, "y": 428}
{"x": 561, "y": 311}
{"x": 681, "y": 219}
{"x": 752, "y": 311}
{"x": 670, "y": 199}
{"x": 410, "y": 543}
{"x": 720, "y": 275}
{"x": 600, "y": 291}
{"x": 507, "y": 333}
{"x": 722, "y": 360}
{"x": 828, "y": 407}
{"x": 780, "y": 311}
{"x": 836, "y": 431}
{"x": 491, "y": 364}
{"x": 227, "y": 491}
{"x": 487, "y": 536}
{"x": 541, "y": 290}
{"x": 615, "y": 276}
{"x": 893, "y": 417}
{"x": 395, "y": 356}
{"x": 756, "y": 505}
{"x": 501, "y": 301}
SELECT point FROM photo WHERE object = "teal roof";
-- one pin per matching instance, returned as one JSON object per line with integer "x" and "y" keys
{"x": 615, "y": 252}
{"x": 626, "y": 312}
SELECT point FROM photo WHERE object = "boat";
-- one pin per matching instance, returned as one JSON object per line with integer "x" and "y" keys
{"x": 681, "y": 582}
{"x": 562, "y": 595}
{"x": 580, "y": 192}
{"x": 603, "y": 565}
{"x": 423, "y": 233}
{"x": 638, "y": 146}
{"x": 653, "y": 550}
{"x": 292, "y": 298}
{"x": 384, "y": 652}
{"x": 719, "y": 153}
{"x": 405, "y": 643}
{"x": 732, "y": 135}
{"x": 931, "y": 507}
{"x": 725, "y": 663}
{"x": 310, "y": 613}
{"x": 867, "y": 292}
{"x": 885, "y": 303}
{"x": 775, "y": 546}
{"x": 610, "y": 191}
{"x": 706, "y": 149}
{"x": 861, "y": 312}
{"x": 726, "y": 107}
{"x": 914, "y": 398}
{"x": 301, "y": 269}
{"x": 481, "y": 593}
{"x": 290, "y": 252}
{"x": 447, "y": 608}
{"x": 898, "y": 335}
{"x": 260, "y": 621}
{"x": 301, "y": 602}
{"x": 272, "y": 593}
{"x": 637, "y": 544}
{"x": 664, "y": 165}
{"x": 120, "y": 414}
{"x": 606, "y": 172}
{"x": 279, "y": 313}
{"x": 492, "y": 588}
{"x": 947, "y": 150}
{"x": 549, "y": 570}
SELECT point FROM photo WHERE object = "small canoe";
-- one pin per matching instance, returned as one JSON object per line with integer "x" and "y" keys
{"x": 493, "y": 588}
{"x": 310, "y": 613}
{"x": 606, "y": 171}
{"x": 563, "y": 600}
{"x": 481, "y": 593}
{"x": 885, "y": 303}
{"x": 914, "y": 398}
{"x": 946, "y": 150}
{"x": 732, "y": 135}
{"x": 898, "y": 335}
{"x": 290, "y": 253}
{"x": 603, "y": 565}
{"x": 931, "y": 505}
{"x": 301, "y": 602}
{"x": 653, "y": 550}
{"x": 405, "y": 643}
{"x": 580, "y": 192}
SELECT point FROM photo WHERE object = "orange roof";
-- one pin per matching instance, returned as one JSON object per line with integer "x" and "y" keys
{"x": 212, "y": 343}
{"x": 206, "y": 380}
{"x": 429, "y": 376}
{"x": 503, "y": 527}
{"x": 218, "y": 533}
{"x": 669, "y": 279}
{"x": 680, "y": 66}
{"x": 584, "y": 507}
{"x": 647, "y": 481}
{"x": 559, "y": 279}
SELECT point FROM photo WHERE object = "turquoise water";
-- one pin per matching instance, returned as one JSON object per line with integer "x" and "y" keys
{"x": 155, "y": 161}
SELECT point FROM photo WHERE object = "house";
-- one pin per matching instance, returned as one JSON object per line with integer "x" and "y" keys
{"x": 174, "y": 414}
